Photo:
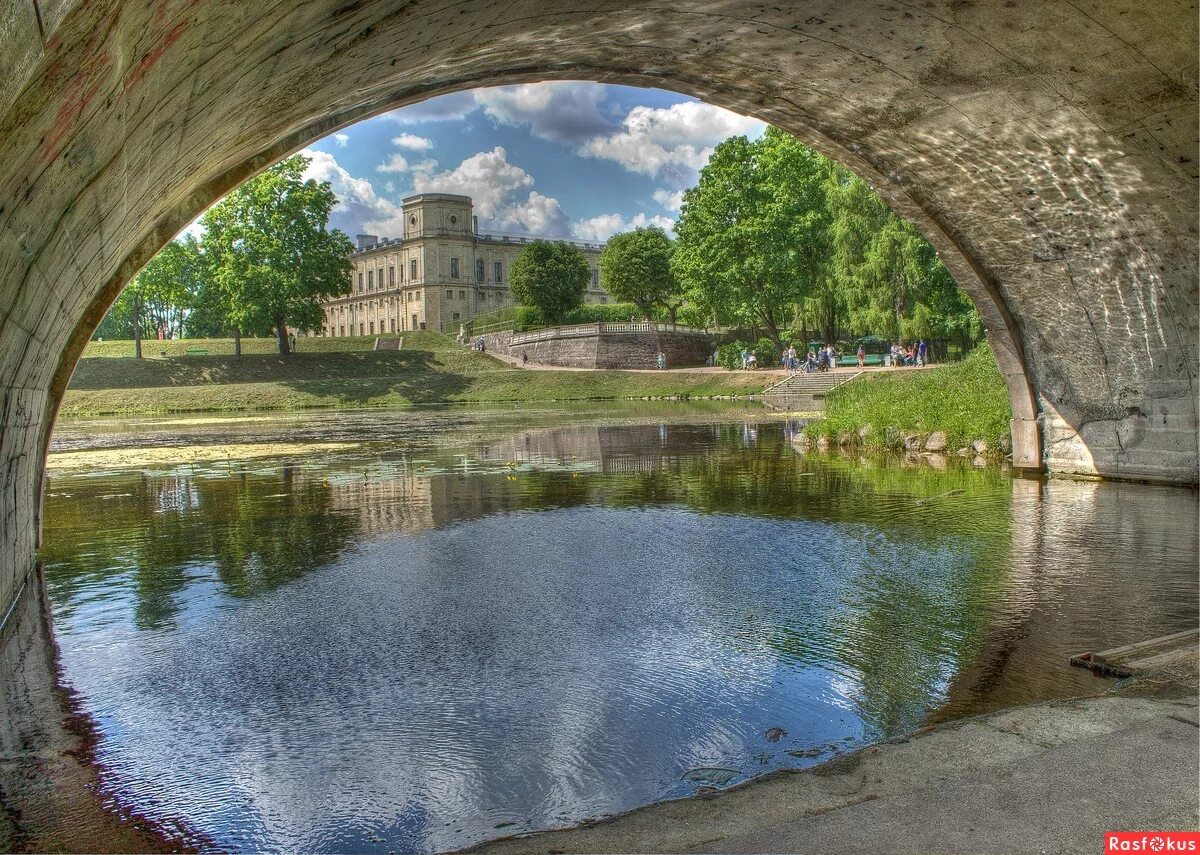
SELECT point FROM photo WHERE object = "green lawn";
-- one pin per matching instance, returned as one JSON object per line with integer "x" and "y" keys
{"x": 431, "y": 368}
{"x": 968, "y": 400}
{"x": 154, "y": 349}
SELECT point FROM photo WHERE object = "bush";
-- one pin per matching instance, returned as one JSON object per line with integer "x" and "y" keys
{"x": 767, "y": 355}
{"x": 730, "y": 355}
{"x": 966, "y": 400}
{"x": 527, "y": 318}
{"x": 603, "y": 313}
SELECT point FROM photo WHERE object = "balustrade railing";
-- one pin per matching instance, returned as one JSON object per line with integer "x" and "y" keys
{"x": 585, "y": 330}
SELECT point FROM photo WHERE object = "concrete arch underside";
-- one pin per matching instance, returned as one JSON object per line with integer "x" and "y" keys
{"x": 1048, "y": 149}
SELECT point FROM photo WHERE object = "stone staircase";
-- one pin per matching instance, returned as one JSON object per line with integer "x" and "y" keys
{"x": 815, "y": 385}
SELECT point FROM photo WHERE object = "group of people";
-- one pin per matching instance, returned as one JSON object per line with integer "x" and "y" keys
{"x": 914, "y": 355}
{"x": 820, "y": 359}
{"x": 826, "y": 356}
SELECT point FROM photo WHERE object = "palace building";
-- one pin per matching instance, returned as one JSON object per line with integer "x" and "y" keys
{"x": 439, "y": 275}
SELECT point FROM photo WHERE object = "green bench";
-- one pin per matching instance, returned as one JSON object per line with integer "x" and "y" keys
{"x": 197, "y": 351}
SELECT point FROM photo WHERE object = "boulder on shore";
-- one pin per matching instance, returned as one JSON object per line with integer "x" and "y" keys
{"x": 979, "y": 446}
{"x": 912, "y": 442}
{"x": 936, "y": 441}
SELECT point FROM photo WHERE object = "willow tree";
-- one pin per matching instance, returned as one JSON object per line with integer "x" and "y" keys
{"x": 272, "y": 255}
{"x": 753, "y": 234}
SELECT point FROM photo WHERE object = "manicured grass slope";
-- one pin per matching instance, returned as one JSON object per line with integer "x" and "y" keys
{"x": 430, "y": 369}
{"x": 154, "y": 349}
{"x": 968, "y": 400}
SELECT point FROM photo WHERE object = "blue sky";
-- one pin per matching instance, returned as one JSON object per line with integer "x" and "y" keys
{"x": 581, "y": 160}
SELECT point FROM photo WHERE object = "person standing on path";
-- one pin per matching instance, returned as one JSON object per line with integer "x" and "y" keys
{"x": 922, "y": 354}
{"x": 862, "y": 356}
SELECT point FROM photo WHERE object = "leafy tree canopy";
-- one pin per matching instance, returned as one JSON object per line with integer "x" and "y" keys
{"x": 775, "y": 235}
{"x": 753, "y": 232}
{"x": 636, "y": 267}
{"x": 549, "y": 276}
{"x": 271, "y": 256}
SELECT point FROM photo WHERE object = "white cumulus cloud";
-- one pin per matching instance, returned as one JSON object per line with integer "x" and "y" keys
{"x": 359, "y": 208}
{"x": 397, "y": 163}
{"x": 672, "y": 201}
{"x": 670, "y": 142}
{"x": 440, "y": 109}
{"x": 604, "y": 226}
{"x": 562, "y": 112}
{"x": 342, "y": 140}
{"x": 537, "y": 215}
{"x": 502, "y": 192}
{"x": 412, "y": 141}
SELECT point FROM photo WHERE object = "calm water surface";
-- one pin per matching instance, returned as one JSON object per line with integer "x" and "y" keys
{"x": 477, "y": 622}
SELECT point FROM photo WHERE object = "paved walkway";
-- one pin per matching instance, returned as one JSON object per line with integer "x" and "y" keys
{"x": 1045, "y": 778}
{"x": 769, "y": 375}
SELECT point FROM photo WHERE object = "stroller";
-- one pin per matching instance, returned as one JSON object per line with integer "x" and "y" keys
{"x": 822, "y": 361}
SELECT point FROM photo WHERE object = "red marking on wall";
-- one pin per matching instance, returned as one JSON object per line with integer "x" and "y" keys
{"x": 151, "y": 59}
{"x": 80, "y": 91}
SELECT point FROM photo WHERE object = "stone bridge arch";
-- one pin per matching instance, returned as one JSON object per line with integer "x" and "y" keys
{"x": 1048, "y": 149}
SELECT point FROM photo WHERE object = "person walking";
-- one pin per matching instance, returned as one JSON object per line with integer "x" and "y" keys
{"x": 524, "y": 358}
{"x": 922, "y": 354}
{"x": 745, "y": 359}
{"x": 662, "y": 361}
{"x": 862, "y": 356}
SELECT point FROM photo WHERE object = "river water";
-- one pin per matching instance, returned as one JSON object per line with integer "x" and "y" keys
{"x": 455, "y": 624}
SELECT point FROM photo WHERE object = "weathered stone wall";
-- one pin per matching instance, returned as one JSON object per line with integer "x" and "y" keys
{"x": 1048, "y": 150}
{"x": 610, "y": 349}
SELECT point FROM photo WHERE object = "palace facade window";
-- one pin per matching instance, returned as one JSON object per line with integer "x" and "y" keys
{"x": 412, "y": 270}
{"x": 391, "y": 276}
{"x": 479, "y": 267}
{"x": 496, "y": 270}
{"x": 453, "y": 268}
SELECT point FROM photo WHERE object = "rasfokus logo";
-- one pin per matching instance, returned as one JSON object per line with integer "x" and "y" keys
{"x": 1151, "y": 841}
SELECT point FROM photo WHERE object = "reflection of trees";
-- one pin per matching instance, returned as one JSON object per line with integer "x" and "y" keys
{"x": 257, "y": 530}
{"x": 909, "y": 628}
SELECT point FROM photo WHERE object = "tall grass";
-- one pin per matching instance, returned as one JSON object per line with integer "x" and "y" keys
{"x": 967, "y": 400}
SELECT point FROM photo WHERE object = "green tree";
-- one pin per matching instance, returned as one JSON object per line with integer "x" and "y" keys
{"x": 549, "y": 276}
{"x": 753, "y": 234}
{"x": 272, "y": 255}
{"x": 636, "y": 267}
{"x": 159, "y": 297}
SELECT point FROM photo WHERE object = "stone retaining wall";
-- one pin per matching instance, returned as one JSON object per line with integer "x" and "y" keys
{"x": 581, "y": 348}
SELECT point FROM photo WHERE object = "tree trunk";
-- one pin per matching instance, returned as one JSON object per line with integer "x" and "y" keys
{"x": 137, "y": 328}
{"x": 772, "y": 330}
{"x": 237, "y": 341}
{"x": 281, "y": 336}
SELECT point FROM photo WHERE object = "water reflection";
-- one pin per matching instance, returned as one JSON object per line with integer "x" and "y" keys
{"x": 428, "y": 642}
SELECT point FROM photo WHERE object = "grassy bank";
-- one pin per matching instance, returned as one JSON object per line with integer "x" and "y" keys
{"x": 155, "y": 349}
{"x": 430, "y": 369}
{"x": 966, "y": 400}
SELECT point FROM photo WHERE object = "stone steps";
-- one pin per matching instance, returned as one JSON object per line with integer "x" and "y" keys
{"x": 816, "y": 385}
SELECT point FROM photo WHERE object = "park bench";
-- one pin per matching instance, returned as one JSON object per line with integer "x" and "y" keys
{"x": 197, "y": 351}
